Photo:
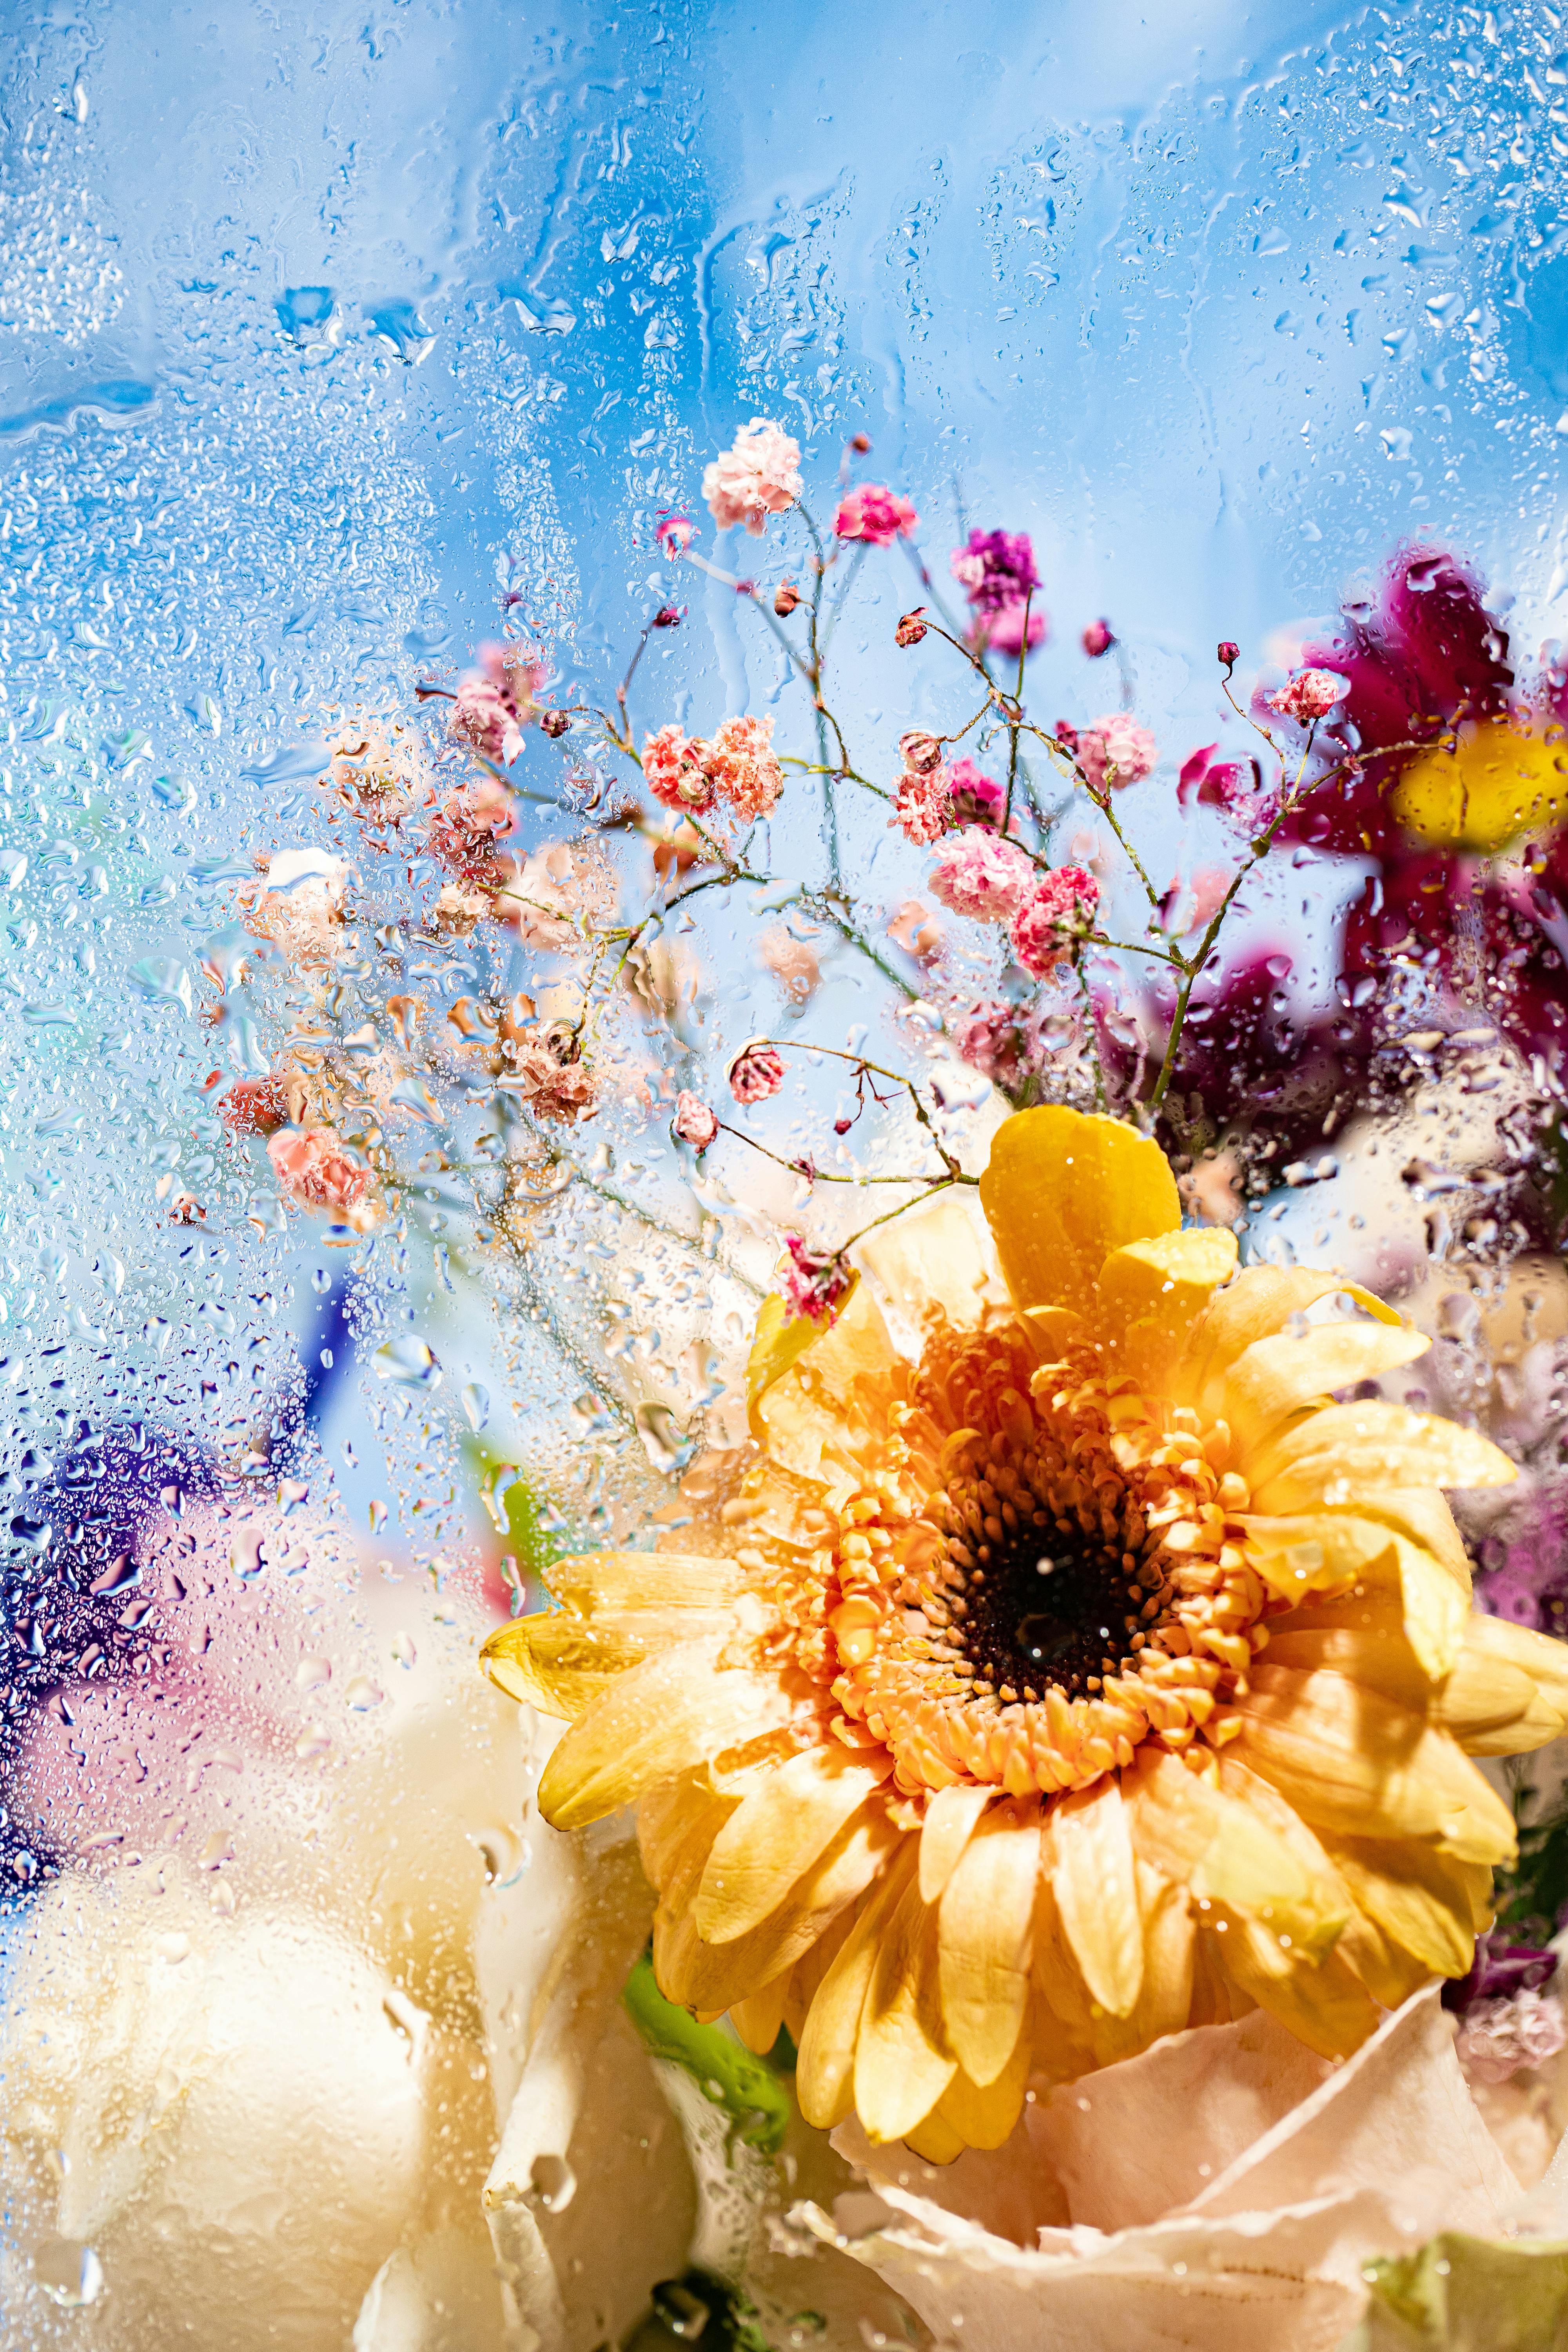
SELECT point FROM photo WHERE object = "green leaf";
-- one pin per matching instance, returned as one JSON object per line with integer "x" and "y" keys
{"x": 1460, "y": 2293}
{"x": 746, "y": 2087}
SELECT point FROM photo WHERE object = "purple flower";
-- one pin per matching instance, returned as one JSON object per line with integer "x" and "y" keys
{"x": 1499, "y": 1971}
{"x": 997, "y": 568}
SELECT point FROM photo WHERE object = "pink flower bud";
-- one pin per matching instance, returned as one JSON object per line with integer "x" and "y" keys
{"x": 910, "y": 628}
{"x": 1228, "y": 652}
{"x": 695, "y": 1122}
{"x": 756, "y": 1072}
{"x": 1098, "y": 639}
{"x": 786, "y": 598}
{"x": 554, "y": 723}
{"x": 921, "y": 752}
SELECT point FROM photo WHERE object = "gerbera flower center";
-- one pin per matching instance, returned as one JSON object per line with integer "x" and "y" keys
{"x": 1049, "y": 1607}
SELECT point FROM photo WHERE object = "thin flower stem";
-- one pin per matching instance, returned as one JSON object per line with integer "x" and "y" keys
{"x": 894, "y": 1078}
{"x": 1019, "y": 706}
{"x": 814, "y": 1175}
{"x": 933, "y": 1184}
{"x": 1100, "y": 1095}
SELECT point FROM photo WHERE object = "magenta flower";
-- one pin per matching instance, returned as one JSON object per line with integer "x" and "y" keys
{"x": 1115, "y": 751}
{"x": 1058, "y": 911}
{"x": 982, "y": 876}
{"x": 998, "y": 571}
{"x": 1310, "y": 694}
{"x": 977, "y": 799}
{"x": 695, "y": 1122}
{"x": 756, "y": 1072}
{"x": 814, "y": 1281}
{"x": 1098, "y": 639}
{"x": 875, "y": 516}
{"x": 758, "y": 477}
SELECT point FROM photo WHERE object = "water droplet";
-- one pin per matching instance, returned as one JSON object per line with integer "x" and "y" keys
{"x": 552, "y": 2183}
{"x": 361, "y": 1694}
{"x": 403, "y": 1649}
{"x": 69, "y": 2272}
{"x": 408, "y": 1363}
{"x": 477, "y": 1404}
{"x": 664, "y": 1442}
{"x": 312, "y": 1673}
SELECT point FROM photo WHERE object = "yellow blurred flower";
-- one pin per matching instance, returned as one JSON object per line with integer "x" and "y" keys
{"x": 1067, "y": 1668}
{"x": 1503, "y": 777}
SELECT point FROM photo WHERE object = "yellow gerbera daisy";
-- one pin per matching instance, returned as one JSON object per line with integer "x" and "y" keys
{"x": 1066, "y": 1668}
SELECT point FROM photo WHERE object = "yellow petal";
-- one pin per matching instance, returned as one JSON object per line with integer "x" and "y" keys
{"x": 659, "y": 1719}
{"x": 1088, "y": 1853}
{"x": 609, "y": 1583}
{"x": 804, "y": 1410}
{"x": 1419, "y": 1897}
{"x": 1260, "y": 1301}
{"x": 985, "y": 1931}
{"x": 792, "y": 1813}
{"x": 949, "y": 1820}
{"x": 1225, "y": 1850}
{"x": 713, "y": 1976}
{"x": 824, "y": 2071}
{"x": 757, "y": 2020}
{"x": 934, "y": 2140}
{"x": 1507, "y": 1693}
{"x": 1320, "y": 1999}
{"x": 668, "y": 1816}
{"x": 779, "y": 1341}
{"x": 983, "y": 2116}
{"x": 1338, "y": 1454}
{"x": 939, "y": 1254}
{"x": 560, "y": 1664}
{"x": 1062, "y": 1190}
{"x": 1275, "y": 1377}
{"x": 1351, "y": 1761}
{"x": 1165, "y": 1996}
{"x": 1062, "y": 2013}
{"x": 902, "y": 2061}
{"x": 1152, "y": 1292}
{"x": 1486, "y": 790}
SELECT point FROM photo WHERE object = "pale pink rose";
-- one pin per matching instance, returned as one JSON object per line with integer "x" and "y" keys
{"x": 756, "y": 1072}
{"x": 695, "y": 1122}
{"x": 742, "y": 768}
{"x": 1115, "y": 751}
{"x": 547, "y": 1069}
{"x": 316, "y": 1170}
{"x": 921, "y": 806}
{"x": 1501, "y": 2037}
{"x": 1309, "y": 696}
{"x": 982, "y": 876}
{"x": 1056, "y": 912}
{"x": 675, "y": 768}
{"x": 758, "y": 478}
{"x": 1225, "y": 2189}
{"x": 875, "y": 516}
{"x": 814, "y": 1281}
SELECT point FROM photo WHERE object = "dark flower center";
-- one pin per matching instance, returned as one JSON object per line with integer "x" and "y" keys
{"x": 1049, "y": 1605}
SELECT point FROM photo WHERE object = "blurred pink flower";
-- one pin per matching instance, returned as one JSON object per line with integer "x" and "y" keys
{"x": 982, "y": 876}
{"x": 742, "y": 768}
{"x": 552, "y": 1076}
{"x": 977, "y": 798}
{"x": 255, "y": 1105}
{"x": 920, "y": 806}
{"x": 675, "y": 535}
{"x": 315, "y": 1169}
{"x": 1192, "y": 906}
{"x": 792, "y": 962}
{"x": 813, "y": 1281}
{"x": 1055, "y": 913}
{"x": 675, "y": 768}
{"x": 1115, "y": 751}
{"x": 1002, "y": 1042}
{"x": 759, "y": 477}
{"x": 495, "y": 703}
{"x": 756, "y": 1072}
{"x": 1499, "y": 2037}
{"x": 1098, "y": 639}
{"x": 1003, "y": 630}
{"x": 998, "y": 571}
{"x": 875, "y": 516}
{"x": 462, "y": 832}
{"x": 695, "y": 1122}
{"x": 1310, "y": 694}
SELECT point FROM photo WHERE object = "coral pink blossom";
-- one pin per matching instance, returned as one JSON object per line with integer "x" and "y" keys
{"x": 814, "y": 1281}
{"x": 313, "y": 1168}
{"x": 675, "y": 767}
{"x": 1056, "y": 912}
{"x": 756, "y": 1072}
{"x": 982, "y": 876}
{"x": 743, "y": 769}
{"x": 758, "y": 478}
{"x": 976, "y": 798}
{"x": 463, "y": 830}
{"x": 1310, "y": 694}
{"x": 548, "y": 1071}
{"x": 1115, "y": 751}
{"x": 695, "y": 1122}
{"x": 255, "y": 1105}
{"x": 921, "y": 808}
{"x": 875, "y": 516}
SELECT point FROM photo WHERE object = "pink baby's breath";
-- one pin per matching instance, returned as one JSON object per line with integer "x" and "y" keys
{"x": 1500, "y": 2036}
{"x": 759, "y": 477}
{"x": 742, "y": 768}
{"x": 1115, "y": 751}
{"x": 980, "y": 876}
{"x": 875, "y": 516}
{"x": 1057, "y": 911}
{"x": 675, "y": 769}
{"x": 921, "y": 808}
{"x": 1309, "y": 696}
{"x": 814, "y": 1281}
{"x": 756, "y": 1072}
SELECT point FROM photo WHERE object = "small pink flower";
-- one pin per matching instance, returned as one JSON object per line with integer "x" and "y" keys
{"x": 255, "y": 1105}
{"x": 1098, "y": 639}
{"x": 976, "y": 798}
{"x": 875, "y": 516}
{"x": 675, "y": 535}
{"x": 756, "y": 1072}
{"x": 1001, "y": 1040}
{"x": 1310, "y": 694}
{"x": 813, "y": 1281}
{"x": 1115, "y": 751}
{"x": 1057, "y": 911}
{"x": 462, "y": 832}
{"x": 921, "y": 808}
{"x": 484, "y": 719}
{"x": 675, "y": 768}
{"x": 912, "y": 627}
{"x": 982, "y": 876}
{"x": 313, "y": 1168}
{"x": 920, "y": 751}
{"x": 695, "y": 1122}
{"x": 742, "y": 768}
{"x": 759, "y": 477}
{"x": 1500, "y": 2036}
{"x": 549, "y": 1074}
